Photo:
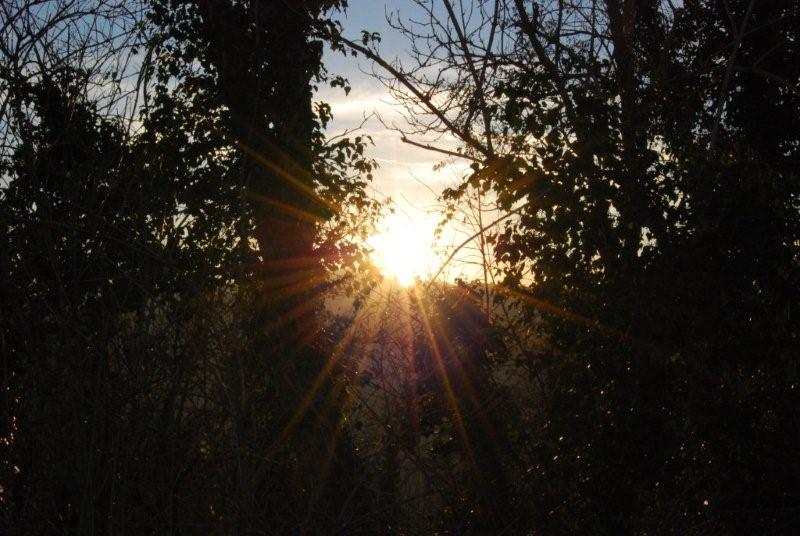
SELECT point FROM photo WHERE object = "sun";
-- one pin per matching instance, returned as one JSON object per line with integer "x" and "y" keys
{"x": 402, "y": 247}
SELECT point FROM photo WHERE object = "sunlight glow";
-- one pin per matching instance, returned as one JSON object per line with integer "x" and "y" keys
{"x": 403, "y": 248}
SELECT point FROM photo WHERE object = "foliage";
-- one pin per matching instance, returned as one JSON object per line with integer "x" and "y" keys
{"x": 151, "y": 366}
{"x": 628, "y": 364}
{"x": 647, "y": 152}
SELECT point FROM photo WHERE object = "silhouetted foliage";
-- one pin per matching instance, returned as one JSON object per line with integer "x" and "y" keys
{"x": 162, "y": 277}
{"x": 648, "y": 152}
{"x": 174, "y": 221}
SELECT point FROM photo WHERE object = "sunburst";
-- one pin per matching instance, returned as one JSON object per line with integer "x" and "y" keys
{"x": 403, "y": 248}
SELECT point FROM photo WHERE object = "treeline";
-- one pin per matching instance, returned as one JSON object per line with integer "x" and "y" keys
{"x": 646, "y": 157}
{"x": 171, "y": 217}
{"x": 174, "y": 221}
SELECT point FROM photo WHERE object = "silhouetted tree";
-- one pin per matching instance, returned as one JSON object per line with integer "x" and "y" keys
{"x": 163, "y": 367}
{"x": 646, "y": 153}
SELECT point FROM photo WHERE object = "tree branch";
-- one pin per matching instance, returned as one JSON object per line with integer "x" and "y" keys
{"x": 424, "y": 99}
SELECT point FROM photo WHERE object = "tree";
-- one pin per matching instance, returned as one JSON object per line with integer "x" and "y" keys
{"x": 260, "y": 62}
{"x": 647, "y": 151}
{"x": 163, "y": 367}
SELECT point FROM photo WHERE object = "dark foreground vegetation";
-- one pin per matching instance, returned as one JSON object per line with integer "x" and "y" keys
{"x": 174, "y": 223}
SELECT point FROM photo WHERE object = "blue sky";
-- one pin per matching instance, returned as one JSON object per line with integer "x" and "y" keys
{"x": 406, "y": 173}
{"x": 402, "y": 166}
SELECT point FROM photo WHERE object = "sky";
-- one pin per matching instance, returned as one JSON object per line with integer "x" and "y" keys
{"x": 406, "y": 173}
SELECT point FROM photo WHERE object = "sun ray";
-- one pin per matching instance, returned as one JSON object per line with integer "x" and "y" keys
{"x": 569, "y": 316}
{"x": 318, "y": 382}
{"x": 286, "y": 175}
{"x": 329, "y": 403}
{"x": 409, "y": 349}
{"x": 442, "y": 370}
{"x": 348, "y": 399}
{"x": 294, "y": 212}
